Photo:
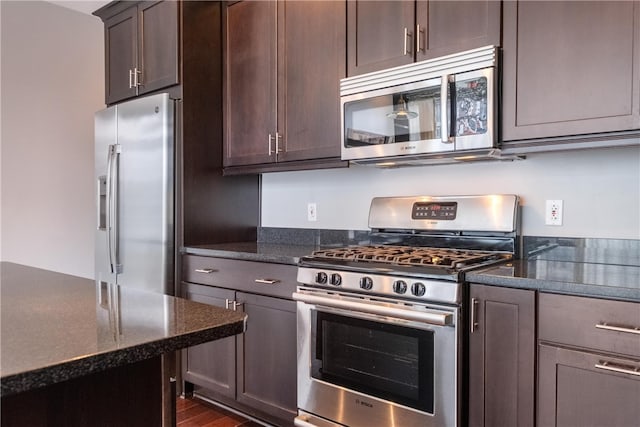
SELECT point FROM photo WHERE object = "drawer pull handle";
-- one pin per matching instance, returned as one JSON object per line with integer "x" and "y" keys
{"x": 205, "y": 270}
{"x": 623, "y": 369}
{"x": 618, "y": 328}
{"x": 267, "y": 281}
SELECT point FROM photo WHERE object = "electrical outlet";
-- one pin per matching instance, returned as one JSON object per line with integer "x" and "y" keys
{"x": 312, "y": 212}
{"x": 553, "y": 212}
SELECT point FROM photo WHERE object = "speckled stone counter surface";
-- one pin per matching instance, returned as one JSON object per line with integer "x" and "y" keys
{"x": 281, "y": 245}
{"x": 56, "y": 327}
{"x": 254, "y": 251}
{"x": 605, "y": 268}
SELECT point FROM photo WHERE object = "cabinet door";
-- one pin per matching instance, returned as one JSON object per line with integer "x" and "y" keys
{"x": 211, "y": 365}
{"x": 501, "y": 357}
{"x": 448, "y": 27}
{"x": 158, "y": 59}
{"x": 250, "y": 82}
{"x": 311, "y": 63}
{"x": 376, "y": 35}
{"x": 574, "y": 389}
{"x": 121, "y": 35}
{"x": 570, "y": 68}
{"x": 267, "y": 356}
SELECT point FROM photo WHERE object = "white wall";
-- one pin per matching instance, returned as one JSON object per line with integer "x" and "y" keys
{"x": 600, "y": 189}
{"x": 52, "y": 82}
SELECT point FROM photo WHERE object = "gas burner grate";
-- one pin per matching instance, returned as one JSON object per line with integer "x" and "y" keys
{"x": 408, "y": 255}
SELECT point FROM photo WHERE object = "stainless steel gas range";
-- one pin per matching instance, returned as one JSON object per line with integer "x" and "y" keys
{"x": 379, "y": 326}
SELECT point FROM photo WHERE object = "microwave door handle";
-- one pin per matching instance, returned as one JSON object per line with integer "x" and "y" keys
{"x": 444, "y": 110}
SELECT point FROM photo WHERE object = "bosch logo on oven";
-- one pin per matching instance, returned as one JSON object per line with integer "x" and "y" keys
{"x": 363, "y": 403}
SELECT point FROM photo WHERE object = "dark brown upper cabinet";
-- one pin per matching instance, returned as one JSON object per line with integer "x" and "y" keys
{"x": 384, "y": 34}
{"x": 283, "y": 64}
{"x": 141, "y": 49}
{"x": 570, "y": 68}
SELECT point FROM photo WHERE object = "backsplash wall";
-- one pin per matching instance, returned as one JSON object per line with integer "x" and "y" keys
{"x": 600, "y": 189}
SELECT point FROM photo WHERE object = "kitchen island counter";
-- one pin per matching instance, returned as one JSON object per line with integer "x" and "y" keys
{"x": 58, "y": 328}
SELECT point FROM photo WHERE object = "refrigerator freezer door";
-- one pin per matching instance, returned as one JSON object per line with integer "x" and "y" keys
{"x": 105, "y": 137}
{"x": 145, "y": 133}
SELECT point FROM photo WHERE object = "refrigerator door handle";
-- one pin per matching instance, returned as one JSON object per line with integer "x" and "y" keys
{"x": 112, "y": 207}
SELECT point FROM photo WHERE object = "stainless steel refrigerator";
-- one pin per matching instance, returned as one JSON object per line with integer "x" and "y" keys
{"x": 134, "y": 175}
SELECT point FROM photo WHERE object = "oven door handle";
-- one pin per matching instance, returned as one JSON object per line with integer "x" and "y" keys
{"x": 430, "y": 317}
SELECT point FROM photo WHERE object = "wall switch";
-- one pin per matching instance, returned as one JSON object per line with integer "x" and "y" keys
{"x": 553, "y": 212}
{"x": 312, "y": 213}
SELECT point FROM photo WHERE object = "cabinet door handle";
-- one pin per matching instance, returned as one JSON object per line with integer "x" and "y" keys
{"x": 232, "y": 304}
{"x": 270, "y": 139}
{"x": 418, "y": 37}
{"x": 130, "y": 79}
{"x": 267, "y": 281}
{"x": 622, "y": 369}
{"x": 278, "y": 149}
{"x": 628, "y": 330}
{"x": 137, "y": 78}
{"x": 474, "y": 315}
{"x": 205, "y": 270}
{"x": 407, "y": 35}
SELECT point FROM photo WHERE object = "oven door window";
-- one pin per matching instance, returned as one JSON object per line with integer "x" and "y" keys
{"x": 387, "y": 361}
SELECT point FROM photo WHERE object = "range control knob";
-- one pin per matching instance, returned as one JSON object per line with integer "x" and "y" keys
{"x": 399, "y": 287}
{"x": 321, "y": 277}
{"x": 335, "y": 279}
{"x": 366, "y": 283}
{"x": 418, "y": 289}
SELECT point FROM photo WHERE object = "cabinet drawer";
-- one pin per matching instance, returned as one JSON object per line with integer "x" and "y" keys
{"x": 611, "y": 326}
{"x": 579, "y": 388}
{"x": 276, "y": 280}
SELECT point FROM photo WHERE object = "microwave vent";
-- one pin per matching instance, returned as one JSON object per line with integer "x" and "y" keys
{"x": 469, "y": 60}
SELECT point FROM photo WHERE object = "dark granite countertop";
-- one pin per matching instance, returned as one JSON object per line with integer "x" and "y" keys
{"x": 56, "y": 327}
{"x": 605, "y": 268}
{"x": 280, "y": 253}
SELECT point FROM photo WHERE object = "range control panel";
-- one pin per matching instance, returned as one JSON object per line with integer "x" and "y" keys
{"x": 435, "y": 211}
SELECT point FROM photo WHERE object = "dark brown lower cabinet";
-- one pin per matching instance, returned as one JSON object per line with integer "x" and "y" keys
{"x": 501, "y": 356}
{"x": 579, "y": 388}
{"x": 588, "y": 362}
{"x": 254, "y": 372}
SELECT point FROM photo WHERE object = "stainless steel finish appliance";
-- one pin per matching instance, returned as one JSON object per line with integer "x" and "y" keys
{"x": 134, "y": 178}
{"x": 379, "y": 325}
{"x": 135, "y": 204}
{"x": 440, "y": 110}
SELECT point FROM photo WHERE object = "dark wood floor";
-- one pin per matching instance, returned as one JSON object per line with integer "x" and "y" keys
{"x": 194, "y": 412}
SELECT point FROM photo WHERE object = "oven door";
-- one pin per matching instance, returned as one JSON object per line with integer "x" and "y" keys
{"x": 370, "y": 363}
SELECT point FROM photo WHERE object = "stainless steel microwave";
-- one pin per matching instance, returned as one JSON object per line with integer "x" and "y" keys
{"x": 440, "y": 110}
